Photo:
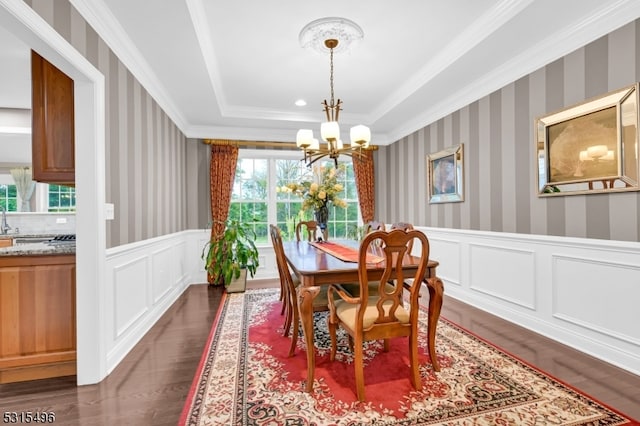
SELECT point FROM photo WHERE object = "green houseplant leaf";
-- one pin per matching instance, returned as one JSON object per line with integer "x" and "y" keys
{"x": 225, "y": 255}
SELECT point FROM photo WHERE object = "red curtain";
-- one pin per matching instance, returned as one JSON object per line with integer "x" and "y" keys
{"x": 365, "y": 184}
{"x": 222, "y": 170}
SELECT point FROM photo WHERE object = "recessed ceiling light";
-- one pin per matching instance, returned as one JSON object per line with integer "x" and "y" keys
{"x": 301, "y": 102}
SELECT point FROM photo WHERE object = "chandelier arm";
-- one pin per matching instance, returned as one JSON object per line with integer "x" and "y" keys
{"x": 316, "y": 159}
{"x": 357, "y": 153}
{"x": 326, "y": 110}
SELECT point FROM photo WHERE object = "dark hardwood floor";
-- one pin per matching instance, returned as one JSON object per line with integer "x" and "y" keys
{"x": 149, "y": 387}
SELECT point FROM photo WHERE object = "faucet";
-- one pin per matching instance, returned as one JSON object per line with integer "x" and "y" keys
{"x": 4, "y": 228}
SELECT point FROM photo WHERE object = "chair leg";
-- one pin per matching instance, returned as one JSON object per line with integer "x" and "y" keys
{"x": 386, "y": 345}
{"x": 294, "y": 335}
{"x": 332, "y": 326}
{"x": 283, "y": 298}
{"x": 359, "y": 369}
{"x": 288, "y": 315}
{"x": 287, "y": 326}
{"x": 413, "y": 359}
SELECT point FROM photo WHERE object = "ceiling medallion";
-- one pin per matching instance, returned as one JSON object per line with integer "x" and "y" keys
{"x": 314, "y": 34}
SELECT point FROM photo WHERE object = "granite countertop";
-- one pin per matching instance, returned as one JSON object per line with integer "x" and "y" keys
{"x": 21, "y": 235}
{"x": 35, "y": 249}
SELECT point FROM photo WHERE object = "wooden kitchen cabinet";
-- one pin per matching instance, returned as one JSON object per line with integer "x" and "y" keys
{"x": 53, "y": 134}
{"x": 37, "y": 317}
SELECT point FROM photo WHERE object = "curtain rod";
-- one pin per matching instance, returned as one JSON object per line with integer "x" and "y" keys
{"x": 260, "y": 144}
{"x": 240, "y": 144}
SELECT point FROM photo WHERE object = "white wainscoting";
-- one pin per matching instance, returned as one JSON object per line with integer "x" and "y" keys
{"x": 145, "y": 278}
{"x": 584, "y": 293}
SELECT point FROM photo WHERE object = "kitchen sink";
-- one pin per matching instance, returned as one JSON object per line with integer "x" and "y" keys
{"x": 31, "y": 239}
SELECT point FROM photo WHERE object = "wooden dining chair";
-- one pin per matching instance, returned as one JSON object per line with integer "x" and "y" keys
{"x": 285, "y": 292}
{"x": 311, "y": 228}
{"x": 290, "y": 283}
{"x": 405, "y": 227}
{"x": 374, "y": 225}
{"x": 381, "y": 316}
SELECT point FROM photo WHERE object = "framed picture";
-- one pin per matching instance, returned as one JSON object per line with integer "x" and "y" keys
{"x": 590, "y": 147}
{"x": 445, "y": 175}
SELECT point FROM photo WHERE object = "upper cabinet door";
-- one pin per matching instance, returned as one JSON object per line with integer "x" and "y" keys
{"x": 52, "y": 123}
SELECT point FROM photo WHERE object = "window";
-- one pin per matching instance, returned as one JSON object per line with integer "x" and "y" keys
{"x": 249, "y": 197}
{"x": 48, "y": 197}
{"x": 62, "y": 198}
{"x": 256, "y": 199}
{"x": 343, "y": 220}
{"x": 9, "y": 197}
{"x": 289, "y": 206}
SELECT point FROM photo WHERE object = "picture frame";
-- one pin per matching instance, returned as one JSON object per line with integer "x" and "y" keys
{"x": 590, "y": 147}
{"x": 445, "y": 175}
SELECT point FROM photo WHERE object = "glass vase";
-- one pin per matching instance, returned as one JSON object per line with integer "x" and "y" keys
{"x": 322, "y": 217}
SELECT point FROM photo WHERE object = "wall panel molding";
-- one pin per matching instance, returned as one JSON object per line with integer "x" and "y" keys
{"x": 451, "y": 250}
{"x": 130, "y": 303}
{"x": 162, "y": 271}
{"x": 505, "y": 273}
{"x": 611, "y": 312}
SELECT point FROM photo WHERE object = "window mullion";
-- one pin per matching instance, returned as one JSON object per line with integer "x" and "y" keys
{"x": 272, "y": 197}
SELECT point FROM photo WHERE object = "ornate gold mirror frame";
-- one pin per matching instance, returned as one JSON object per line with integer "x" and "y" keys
{"x": 591, "y": 147}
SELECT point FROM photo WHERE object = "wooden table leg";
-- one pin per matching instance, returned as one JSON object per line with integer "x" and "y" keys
{"x": 305, "y": 307}
{"x": 436, "y": 289}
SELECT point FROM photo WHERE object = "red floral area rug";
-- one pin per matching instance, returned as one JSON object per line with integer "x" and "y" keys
{"x": 246, "y": 378}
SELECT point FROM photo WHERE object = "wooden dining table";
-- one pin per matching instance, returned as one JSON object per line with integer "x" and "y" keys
{"x": 315, "y": 267}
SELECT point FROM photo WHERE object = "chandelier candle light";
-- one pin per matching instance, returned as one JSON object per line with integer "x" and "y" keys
{"x": 331, "y": 31}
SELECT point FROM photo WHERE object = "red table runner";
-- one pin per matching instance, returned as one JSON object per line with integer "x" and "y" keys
{"x": 344, "y": 253}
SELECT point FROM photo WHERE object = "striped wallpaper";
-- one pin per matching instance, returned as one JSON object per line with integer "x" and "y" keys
{"x": 148, "y": 157}
{"x": 146, "y": 154}
{"x": 500, "y": 165}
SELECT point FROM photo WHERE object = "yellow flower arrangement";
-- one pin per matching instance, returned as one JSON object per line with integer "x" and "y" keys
{"x": 324, "y": 189}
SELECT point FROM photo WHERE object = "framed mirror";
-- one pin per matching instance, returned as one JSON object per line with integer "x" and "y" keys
{"x": 591, "y": 147}
{"x": 445, "y": 175}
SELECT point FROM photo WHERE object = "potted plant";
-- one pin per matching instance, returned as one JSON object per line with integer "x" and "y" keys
{"x": 229, "y": 257}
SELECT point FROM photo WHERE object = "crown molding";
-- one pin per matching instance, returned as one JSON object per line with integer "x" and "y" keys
{"x": 198, "y": 15}
{"x": 263, "y": 134}
{"x": 482, "y": 28}
{"x": 598, "y": 24}
{"x": 109, "y": 29}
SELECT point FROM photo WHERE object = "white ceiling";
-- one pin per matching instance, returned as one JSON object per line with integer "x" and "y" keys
{"x": 233, "y": 69}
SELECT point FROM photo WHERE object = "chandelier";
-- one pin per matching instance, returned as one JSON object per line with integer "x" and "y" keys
{"x": 332, "y": 34}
